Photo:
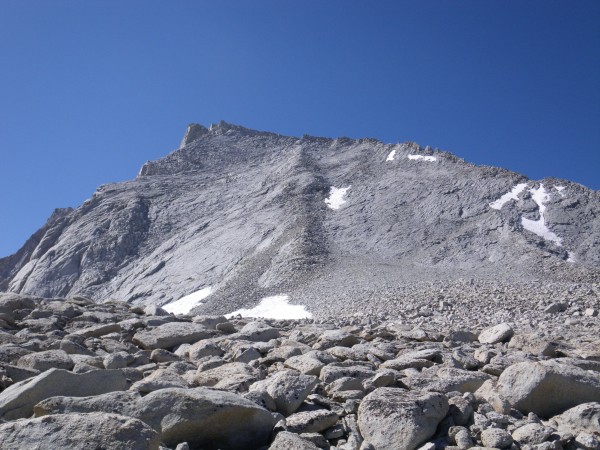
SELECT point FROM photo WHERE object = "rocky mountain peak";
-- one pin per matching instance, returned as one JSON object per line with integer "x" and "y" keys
{"x": 245, "y": 214}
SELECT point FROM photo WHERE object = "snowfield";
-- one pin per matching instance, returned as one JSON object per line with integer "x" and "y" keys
{"x": 275, "y": 307}
{"x": 185, "y": 304}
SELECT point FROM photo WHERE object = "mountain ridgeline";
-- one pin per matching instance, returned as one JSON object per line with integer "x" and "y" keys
{"x": 253, "y": 214}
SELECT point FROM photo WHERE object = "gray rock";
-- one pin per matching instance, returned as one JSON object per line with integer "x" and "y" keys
{"x": 288, "y": 389}
{"x": 496, "y": 438}
{"x": 172, "y": 334}
{"x": 229, "y": 377}
{"x": 584, "y": 417}
{"x": 18, "y": 400}
{"x": 547, "y": 388}
{"x": 332, "y": 372}
{"x": 531, "y": 434}
{"x": 310, "y": 363}
{"x": 291, "y": 441}
{"x": 399, "y": 419}
{"x": 42, "y": 361}
{"x": 79, "y": 432}
{"x": 117, "y": 402}
{"x": 159, "y": 379}
{"x": 495, "y": 334}
{"x": 311, "y": 421}
{"x": 205, "y": 418}
{"x": 259, "y": 332}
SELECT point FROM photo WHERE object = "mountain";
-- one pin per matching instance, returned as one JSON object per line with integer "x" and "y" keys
{"x": 236, "y": 215}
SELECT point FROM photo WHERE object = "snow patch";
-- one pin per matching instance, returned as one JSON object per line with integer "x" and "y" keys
{"x": 275, "y": 307}
{"x": 540, "y": 197}
{"x": 336, "y": 197}
{"x": 560, "y": 190}
{"x": 571, "y": 257}
{"x": 512, "y": 195}
{"x": 391, "y": 155}
{"x": 424, "y": 158}
{"x": 185, "y": 304}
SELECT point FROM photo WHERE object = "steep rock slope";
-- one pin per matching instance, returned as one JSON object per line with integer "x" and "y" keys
{"x": 252, "y": 214}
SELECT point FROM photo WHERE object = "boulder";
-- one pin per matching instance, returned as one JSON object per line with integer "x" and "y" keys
{"x": 499, "y": 333}
{"x": 258, "y": 332}
{"x": 117, "y": 402}
{"x": 172, "y": 334}
{"x": 310, "y": 363}
{"x": 332, "y": 372}
{"x": 288, "y": 389}
{"x": 547, "y": 388}
{"x": 17, "y": 401}
{"x": 399, "y": 419}
{"x": 584, "y": 417}
{"x": 311, "y": 421}
{"x": 205, "y": 418}
{"x": 160, "y": 379}
{"x": 42, "y": 361}
{"x": 291, "y": 441}
{"x": 79, "y": 432}
{"x": 229, "y": 377}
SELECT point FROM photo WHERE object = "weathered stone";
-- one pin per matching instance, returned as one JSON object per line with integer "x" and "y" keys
{"x": 172, "y": 334}
{"x": 79, "y": 432}
{"x": 495, "y": 334}
{"x": 42, "y": 361}
{"x": 547, "y": 388}
{"x": 229, "y": 377}
{"x": 160, "y": 379}
{"x": 332, "y": 372}
{"x": 259, "y": 332}
{"x": 311, "y": 421}
{"x": 205, "y": 418}
{"x": 291, "y": 441}
{"x": 18, "y": 400}
{"x": 400, "y": 419}
{"x": 117, "y": 402}
{"x": 310, "y": 363}
{"x": 531, "y": 434}
{"x": 584, "y": 417}
{"x": 288, "y": 389}
{"x": 496, "y": 438}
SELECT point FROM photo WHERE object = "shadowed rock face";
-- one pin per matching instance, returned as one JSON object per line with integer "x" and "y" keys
{"x": 244, "y": 211}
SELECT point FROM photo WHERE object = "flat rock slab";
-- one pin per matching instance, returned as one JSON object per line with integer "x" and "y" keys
{"x": 399, "y": 419}
{"x": 172, "y": 334}
{"x": 79, "y": 432}
{"x": 311, "y": 421}
{"x": 17, "y": 401}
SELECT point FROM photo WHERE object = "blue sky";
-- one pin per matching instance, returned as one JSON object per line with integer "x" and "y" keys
{"x": 90, "y": 90}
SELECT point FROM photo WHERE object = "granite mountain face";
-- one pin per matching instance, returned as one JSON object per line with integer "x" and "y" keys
{"x": 252, "y": 214}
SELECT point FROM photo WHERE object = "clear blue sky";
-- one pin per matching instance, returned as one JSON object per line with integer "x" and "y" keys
{"x": 90, "y": 90}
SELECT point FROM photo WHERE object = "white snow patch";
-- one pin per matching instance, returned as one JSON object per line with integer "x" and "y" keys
{"x": 275, "y": 307}
{"x": 560, "y": 190}
{"x": 391, "y": 155}
{"x": 336, "y": 197}
{"x": 571, "y": 257}
{"x": 540, "y": 196}
{"x": 512, "y": 195}
{"x": 185, "y": 304}
{"x": 424, "y": 158}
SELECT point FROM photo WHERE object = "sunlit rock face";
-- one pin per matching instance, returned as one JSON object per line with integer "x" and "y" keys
{"x": 253, "y": 215}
